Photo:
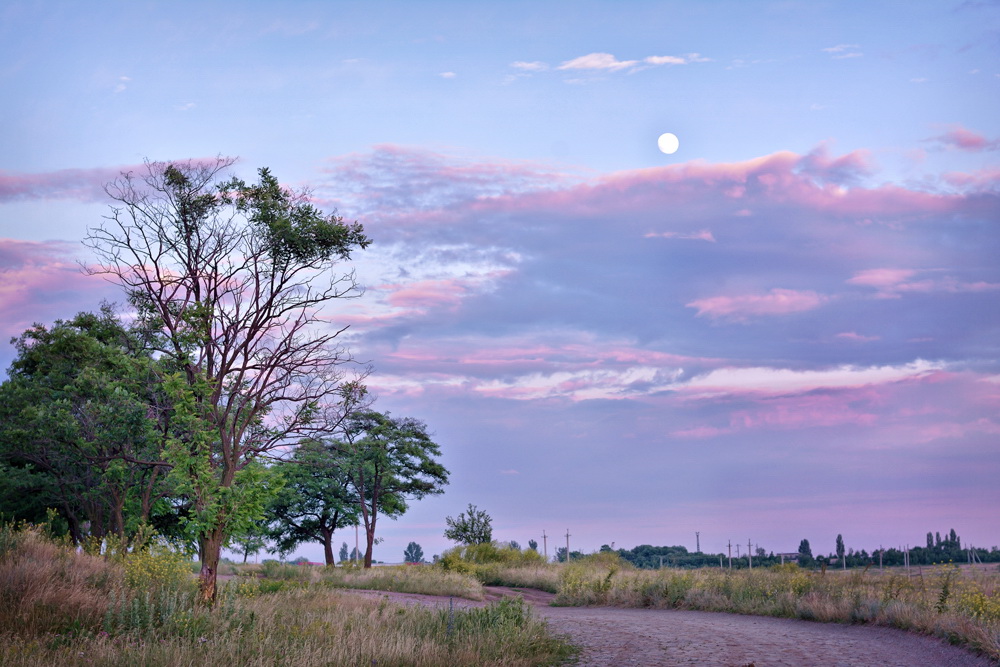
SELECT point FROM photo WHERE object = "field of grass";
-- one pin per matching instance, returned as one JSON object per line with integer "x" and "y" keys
{"x": 58, "y": 606}
{"x": 61, "y": 607}
{"x": 959, "y": 605}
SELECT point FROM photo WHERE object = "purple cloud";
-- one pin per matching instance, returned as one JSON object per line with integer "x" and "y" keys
{"x": 40, "y": 282}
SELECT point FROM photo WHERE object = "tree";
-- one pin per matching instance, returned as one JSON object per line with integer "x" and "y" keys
{"x": 315, "y": 501}
{"x": 474, "y": 528}
{"x": 840, "y": 550}
{"x": 561, "y": 555}
{"x": 805, "y": 552}
{"x": 413, "y": 553}
{"x": 389, "y": 461}
{"x": 250, "y": 543}
{"x": 344, "y": 553}
{"x": 229, "y": 280}
{"x": 514, "y": 545}
{"x": 533, "y": 545}
{"x": 80, "y": 430}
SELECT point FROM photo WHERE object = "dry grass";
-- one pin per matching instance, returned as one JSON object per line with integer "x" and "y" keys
{"x": 544, "y": 577}
{"x": 422, "y": 579}
{"x": 60, "y": 607}
{"x": 317, "y": 627}
{"x": 46, "y": 587}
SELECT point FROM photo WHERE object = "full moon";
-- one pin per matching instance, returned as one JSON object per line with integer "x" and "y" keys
{"x": 668, "y": 143}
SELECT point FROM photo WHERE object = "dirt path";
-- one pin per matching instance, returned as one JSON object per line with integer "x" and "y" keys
{"x": 613, "y": 636}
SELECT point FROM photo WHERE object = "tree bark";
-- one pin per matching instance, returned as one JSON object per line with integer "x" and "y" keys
{"x": 328, "y": 547}
{"x": 211, "y": 551}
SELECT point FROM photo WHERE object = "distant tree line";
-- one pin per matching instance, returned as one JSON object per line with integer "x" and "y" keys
{"x": 937, "y": 549}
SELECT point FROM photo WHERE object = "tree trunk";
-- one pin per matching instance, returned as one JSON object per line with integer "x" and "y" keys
{"x": 328, "y": 547}
{"x": 369, "y": 539}
{"x": 211, "y": 550}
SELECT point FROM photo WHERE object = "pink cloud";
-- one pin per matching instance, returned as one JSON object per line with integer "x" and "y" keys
{"x": 411, "y": 192}
{"x": 40, "y": 283}
{"x": 982, "y": 180}
{"x": 963, "y": 139}
{"x": 740, "y": 308}
{"x": 881, "y": 277}
{"x": 427, "y": 294}
{"x": 785, "y": 381}
{"x": 856, "y": 337}
{"x": 85, "y": 185}
{"x": 703, "y": 235}
{"x": 892, "y": 283}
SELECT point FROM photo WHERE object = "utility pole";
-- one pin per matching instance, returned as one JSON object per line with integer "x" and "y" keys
{"x": 697, "y": 542}
{"x": 737, "y": 552}
{"x": 545, "y": 542}
{"x": 880, "y": 550}
{"x": 567, "y": 545}
{"x": 729, "y": 545}
{"x": 357, "y": 552}
{"x": 749, "y": 554}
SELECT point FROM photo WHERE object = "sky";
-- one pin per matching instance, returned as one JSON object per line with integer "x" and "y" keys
{"x": 787, "y": 329}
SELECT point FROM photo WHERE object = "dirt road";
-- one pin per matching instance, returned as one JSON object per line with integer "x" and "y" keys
{"x": 647, "y": 637}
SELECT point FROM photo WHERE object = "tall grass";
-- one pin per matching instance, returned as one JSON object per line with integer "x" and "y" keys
{"x": 427, "y": 580}
{"x": 61, "y": 607}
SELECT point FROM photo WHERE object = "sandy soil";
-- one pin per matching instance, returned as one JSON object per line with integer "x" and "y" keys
{"x": 612, "y": 636}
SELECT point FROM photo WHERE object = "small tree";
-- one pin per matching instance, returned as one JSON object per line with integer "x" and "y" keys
{"x": 533, "y": 545}
{"x": 413, "y": 553}
{"x": 840, "y": 550}
{"x": 388, "y": 462}
{"x": 315, "y": 501}
{"x": 474, "y": 528}
{"x": 805, "y": 553}
{"x": 344, "y": 552}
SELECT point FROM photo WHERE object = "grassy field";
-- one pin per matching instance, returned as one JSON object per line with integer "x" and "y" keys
{"x": 61, "y": 607}
{"x": 961, "y": 605}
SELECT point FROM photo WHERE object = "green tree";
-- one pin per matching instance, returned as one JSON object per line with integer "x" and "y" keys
{"x": 81, "y": 421}
{"x": 315, "y": 501}
{"x": 472, "y": 528}
{"x": 229, "y": 280}
{"x": 533, "y": 545}
{"x": 344, "y": 553}
{"x": 561, "y": 555}
{"x": 250, "y": 543}
{"x": 389, "y": 462}
{"x": 840, "y": 550}
{"x": 413, "y": 553}
{"x": 805, "y": 553}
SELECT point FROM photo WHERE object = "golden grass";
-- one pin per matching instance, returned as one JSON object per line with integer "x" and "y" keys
{"x": 45, "y": 586}
{"x": 424, "y": 579}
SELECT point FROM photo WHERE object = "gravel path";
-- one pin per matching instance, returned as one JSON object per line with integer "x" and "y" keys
{"x": 620, "y": 637}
